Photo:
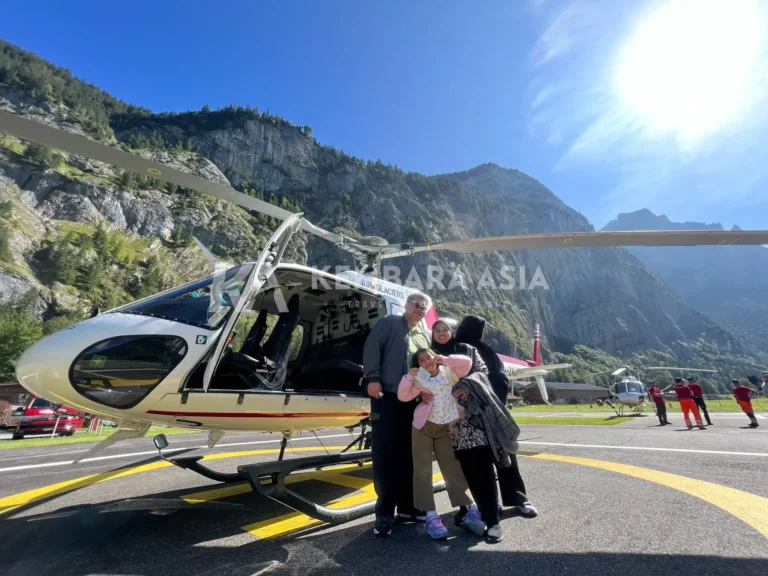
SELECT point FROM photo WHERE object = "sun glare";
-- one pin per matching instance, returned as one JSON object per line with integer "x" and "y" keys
{"x": 688, "y": 66}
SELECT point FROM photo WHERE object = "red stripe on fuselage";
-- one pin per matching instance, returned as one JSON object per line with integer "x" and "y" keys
{"x": 260, "y": 414}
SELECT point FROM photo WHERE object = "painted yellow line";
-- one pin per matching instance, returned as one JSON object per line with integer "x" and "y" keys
{"x": 9, "y": 503}
{"x": 295, "y": 521}
{"x": 217, "y": 493}
{"x": 747, "y": 507}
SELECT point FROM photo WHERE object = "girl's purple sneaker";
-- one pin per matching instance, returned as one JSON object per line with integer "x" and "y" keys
{"x": 435, "y": 528}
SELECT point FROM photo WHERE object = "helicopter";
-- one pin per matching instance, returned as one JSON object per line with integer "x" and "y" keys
{"x": 170, "y": 358}
{"x": 630, "y": 392}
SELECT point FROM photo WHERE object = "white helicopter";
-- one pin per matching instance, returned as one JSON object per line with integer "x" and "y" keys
{"x": 169, "y": 359}
{"x": 630, "y": 392}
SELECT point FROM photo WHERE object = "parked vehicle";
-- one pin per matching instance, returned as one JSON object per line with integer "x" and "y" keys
{"x": 39, "y": 417}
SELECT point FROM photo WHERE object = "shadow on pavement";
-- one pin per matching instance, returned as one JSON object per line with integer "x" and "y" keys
{"x": 154, "y": 539}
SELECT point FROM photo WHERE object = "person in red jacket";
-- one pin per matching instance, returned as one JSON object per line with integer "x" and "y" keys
{"x": 687, "y": 405}
{"x": 698, "y": 398}
{"x": 658, "y": 400}
{"x": 743, "y": 396}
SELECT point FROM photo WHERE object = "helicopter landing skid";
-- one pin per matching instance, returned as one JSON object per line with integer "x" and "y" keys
{"x": 275, "y": 489}
{"x": 192, "y": 463}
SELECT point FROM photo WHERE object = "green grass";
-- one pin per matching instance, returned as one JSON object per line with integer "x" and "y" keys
{"x": 759, "y": 404}
{"x": 82, "y": 437}
{"x": 571, "y": 421}
{"x": 11, "y": 144}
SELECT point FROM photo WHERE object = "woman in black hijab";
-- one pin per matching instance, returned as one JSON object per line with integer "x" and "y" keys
{"x": 471, "y": 331}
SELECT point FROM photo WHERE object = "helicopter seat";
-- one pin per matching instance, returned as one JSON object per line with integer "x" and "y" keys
{"x": 267, "y": 367}
{"x": 252, "y": 345}
{"x": 333, "y": 366}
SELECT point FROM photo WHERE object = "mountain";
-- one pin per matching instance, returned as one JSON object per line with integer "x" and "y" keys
{"x": 729, "y": 284}
{"x": 75, "y": 232}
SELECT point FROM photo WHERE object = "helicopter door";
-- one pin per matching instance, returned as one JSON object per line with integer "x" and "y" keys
{"x": 262, "y": 274}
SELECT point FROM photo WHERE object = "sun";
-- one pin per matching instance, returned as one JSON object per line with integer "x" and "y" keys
{"x": 688, "y": 66}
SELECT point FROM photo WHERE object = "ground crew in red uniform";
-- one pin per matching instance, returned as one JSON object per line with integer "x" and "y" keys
{"x": 743, "y": 396}
{"x": 658, "y": 399}
{"x": 698, "y": 398}
{"x": 687, "y": 405}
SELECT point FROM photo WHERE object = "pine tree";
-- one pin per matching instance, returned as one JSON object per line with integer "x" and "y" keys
{"x": 101, "y": 241}
{"x": 93, "y": 274}
{"x": 178, "y": 233}
{"x": 5, "y": 249}
{"x": 64, "y": 265}
{"x": 6, "y": 209}
{"x": 153, "y": 280}
{"x": 127, "y": 180}
{"x": 42, "y": 156}
{"x": 20, "y": 330}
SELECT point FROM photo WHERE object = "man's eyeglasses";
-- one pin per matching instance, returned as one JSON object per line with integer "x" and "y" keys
{"x": 419, "y": 306}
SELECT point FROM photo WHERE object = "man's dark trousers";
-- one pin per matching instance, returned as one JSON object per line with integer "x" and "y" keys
{"x": 661, "y": 412}
{"x": 391, "y": 423}
{"x": 703, "y": 407}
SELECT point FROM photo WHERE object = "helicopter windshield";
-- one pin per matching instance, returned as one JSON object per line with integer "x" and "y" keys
{"x": 203, "y": 303}
{"x": 621, "y": 387}
{"x": 635, "y": 387}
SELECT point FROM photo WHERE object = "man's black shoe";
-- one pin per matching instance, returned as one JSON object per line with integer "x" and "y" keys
{"x": 383, "y": 527}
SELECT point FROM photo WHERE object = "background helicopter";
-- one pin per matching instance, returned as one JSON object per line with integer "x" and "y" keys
{"x": 177, "y": 358}
{"x": 630, "y": 392}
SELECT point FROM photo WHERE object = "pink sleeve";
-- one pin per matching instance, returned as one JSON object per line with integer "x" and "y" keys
{"x": 461, "y": 365}
{"x": 406, "y": 391}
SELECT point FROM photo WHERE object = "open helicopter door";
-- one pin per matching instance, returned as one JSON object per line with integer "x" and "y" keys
{"x": 270, "y": 257}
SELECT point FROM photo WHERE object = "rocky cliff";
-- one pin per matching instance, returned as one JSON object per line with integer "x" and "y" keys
{"x": 602, "y": 298}
{"x": 728, "y": 283}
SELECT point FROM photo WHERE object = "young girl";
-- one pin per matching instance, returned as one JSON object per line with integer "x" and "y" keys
{"x": 431, "y": 425}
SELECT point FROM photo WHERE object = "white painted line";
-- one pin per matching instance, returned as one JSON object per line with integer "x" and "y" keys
{"x": 148, "y": 452}
{"x": 649, "y": 448}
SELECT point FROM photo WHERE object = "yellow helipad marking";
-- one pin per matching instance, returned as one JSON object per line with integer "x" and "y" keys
{"x": 9, "y": 503}
{"x": 747, "y": 507}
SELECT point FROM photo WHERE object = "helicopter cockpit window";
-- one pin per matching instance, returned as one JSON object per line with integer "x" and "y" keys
{"x": 120, "y": 372}
{"x": 621, "y": 388}
{"x": 635, "y": 387}
{"x": 204, "y": 303}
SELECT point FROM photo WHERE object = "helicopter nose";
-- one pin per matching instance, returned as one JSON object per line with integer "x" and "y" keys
{"x": 43, "y": 368}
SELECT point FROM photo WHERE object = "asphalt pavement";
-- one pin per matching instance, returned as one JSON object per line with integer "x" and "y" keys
{"x": 634, "y": 498}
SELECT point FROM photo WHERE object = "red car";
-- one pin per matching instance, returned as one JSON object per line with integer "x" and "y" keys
{"x": 38, "y": 417}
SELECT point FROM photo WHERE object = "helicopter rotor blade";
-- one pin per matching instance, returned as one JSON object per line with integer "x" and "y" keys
{"x": 678, "y": 368}
{"x": 591, "y": 240}
{"x": 619, "y": 372}
{"x": 51, "y": 137}
{"x": 40, "y": 133}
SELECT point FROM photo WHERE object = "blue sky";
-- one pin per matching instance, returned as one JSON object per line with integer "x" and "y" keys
{"x": 560, "y": 89}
